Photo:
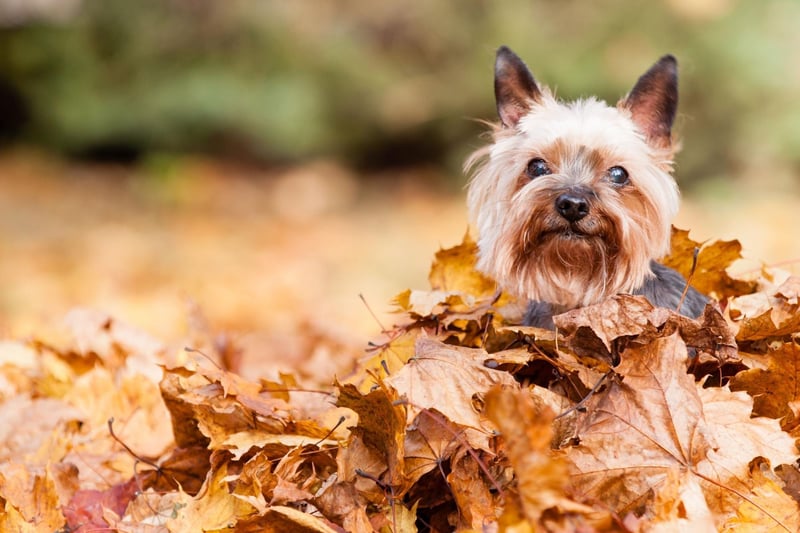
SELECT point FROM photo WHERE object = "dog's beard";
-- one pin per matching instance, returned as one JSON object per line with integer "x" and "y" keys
{"x": 543, "y": 256}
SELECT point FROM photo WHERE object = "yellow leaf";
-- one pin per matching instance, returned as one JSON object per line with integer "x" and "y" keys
{"x": 768, "y": 508}
{"x": 453, "y": 270}
{"x": 710, "y": 276}
{"x": 213, "y": 508}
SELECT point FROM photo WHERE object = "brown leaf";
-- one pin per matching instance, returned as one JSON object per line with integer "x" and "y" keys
{"x": 279, "y": 519}
{"x": 710, "y": 275}
{"x": 768, "y": 314}
{"x": 619, "y": 316}
{"x": 654, "y": 419}
{"x": 768, "y": 508}
{"x": 381, "y": 425}
{"x": 478, "y": 507}
{"x": 776, "y": 386}
{"x": 344, "y": 505}
{"x": 592, "y": 331}
{"x": 451, "y": 380}
{"x": 430, "y": 440}
{"x": 542, "y": 475}
{"x": 209, "y": 406}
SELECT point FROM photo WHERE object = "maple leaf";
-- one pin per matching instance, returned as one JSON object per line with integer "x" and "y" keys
{"x": 30, "y": 499}
{"x": 679, "y": 505}
{"x": 88, "y": 509}
{"x": 387, "y": 358}
{"x": 766, "y": 498}
{"x": 430, "y": 439}
{"x": 451, "y": 380}
{"x": 594, "y": 331}
{"x": 653, "y": 418}
{"x": 478, "y": 507}
{"x": 208, "y": 407}
{"x": 279, "y": 519}
{"x": 214, "y": 507}
{"x": 381, "y": 426}
{"x": 710, "y": 274}
{"x": 775, "y": 313}
{"x": 453, "y": 270}
{"x": 541, "y": 474}
{"x": 776, "y": 387}
{"x": 345, "y": 505}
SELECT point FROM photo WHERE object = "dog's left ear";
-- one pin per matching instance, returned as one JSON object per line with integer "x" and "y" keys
{"x": 653, "y": 101}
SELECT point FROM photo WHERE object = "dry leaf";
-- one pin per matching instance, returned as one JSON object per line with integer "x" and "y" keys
{"x": 213, "y": 508}
{"x": 451, "y": 380}
{"x": 773, "y": 389}
{"x": 453, "y": 270}
{"x": 654, "y": 418}
{"x": 710, "y": 275}
{"x": 768, "y": 508}
{"x": 381, "y": 426}
{"x": 768, "y": 314}
{"x": 541, "y": 474}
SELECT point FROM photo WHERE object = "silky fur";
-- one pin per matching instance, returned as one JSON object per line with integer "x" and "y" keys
{"x": 523, "y": 242}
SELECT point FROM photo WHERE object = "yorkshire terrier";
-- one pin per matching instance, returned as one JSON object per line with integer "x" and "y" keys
{"x": 573, "y": 201}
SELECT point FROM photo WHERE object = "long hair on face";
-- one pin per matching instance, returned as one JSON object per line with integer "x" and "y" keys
{"x": 527, "y": 246}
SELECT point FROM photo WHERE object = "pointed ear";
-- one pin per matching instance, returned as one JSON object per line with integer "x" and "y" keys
{"x": 514, "y": 87}
{"x": 653, "y": 101}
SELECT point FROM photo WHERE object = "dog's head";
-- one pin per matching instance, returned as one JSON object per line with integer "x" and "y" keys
{"x": 572, "y": 200}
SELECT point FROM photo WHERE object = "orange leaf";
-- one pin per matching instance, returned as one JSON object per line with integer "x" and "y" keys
{"x": 710, "y": 275}
{"x": 451, "y": 380}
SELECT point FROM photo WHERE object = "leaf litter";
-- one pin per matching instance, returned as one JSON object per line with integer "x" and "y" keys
{"x": 626, "y": 418}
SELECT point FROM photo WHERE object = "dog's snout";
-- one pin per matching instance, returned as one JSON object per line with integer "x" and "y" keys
{"x": 572, "y": 206}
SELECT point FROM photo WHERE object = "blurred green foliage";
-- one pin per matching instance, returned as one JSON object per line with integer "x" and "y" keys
{"x": 389, "y": 83}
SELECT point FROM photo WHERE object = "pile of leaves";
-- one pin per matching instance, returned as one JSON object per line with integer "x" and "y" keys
{"x": 626, "y": 418}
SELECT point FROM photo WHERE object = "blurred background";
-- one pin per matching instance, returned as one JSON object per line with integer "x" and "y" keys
{"x": 268, "y": 162}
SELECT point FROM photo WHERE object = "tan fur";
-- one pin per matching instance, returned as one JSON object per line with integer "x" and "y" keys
{"x": 527, "y": 246}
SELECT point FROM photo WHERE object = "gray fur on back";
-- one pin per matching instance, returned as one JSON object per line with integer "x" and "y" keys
{"x": 664, "y": 289}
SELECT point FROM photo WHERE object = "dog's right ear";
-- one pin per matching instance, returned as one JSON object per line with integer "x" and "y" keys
{"x": 514, "y": 87}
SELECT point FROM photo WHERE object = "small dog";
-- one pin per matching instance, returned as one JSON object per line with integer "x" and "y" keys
{"x": 573, "y": 201}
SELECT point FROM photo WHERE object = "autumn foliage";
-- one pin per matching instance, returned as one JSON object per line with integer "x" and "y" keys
{"x": 627, "y": 418}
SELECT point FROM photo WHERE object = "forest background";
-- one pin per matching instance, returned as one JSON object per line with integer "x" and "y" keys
{"x": 262, "y": 164}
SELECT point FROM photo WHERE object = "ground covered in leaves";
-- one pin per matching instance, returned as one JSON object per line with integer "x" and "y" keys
{"x": 628, "y": 418}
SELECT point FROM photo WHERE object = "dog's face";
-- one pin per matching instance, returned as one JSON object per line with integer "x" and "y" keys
{"x": 573, "y": 200}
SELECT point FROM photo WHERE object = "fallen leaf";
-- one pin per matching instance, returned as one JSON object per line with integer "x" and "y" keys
{"x": 453, "y": 270}
{"x": 710, "y": 275}
{"x": 213, "y": 508}
{"x": 381, "y": 426}
{"x": 541, "y": 473}
{"x": 773, "y": 389}
{"x": 767, "y": 508}
{"x": 86, "y": 511}
{"x": 451, "y": 380}
{"x": 768, "y": 314}
{"x": 653, "y": 418}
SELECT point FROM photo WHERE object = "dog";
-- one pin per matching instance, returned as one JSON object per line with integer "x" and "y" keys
{"x": 573, "y": 201}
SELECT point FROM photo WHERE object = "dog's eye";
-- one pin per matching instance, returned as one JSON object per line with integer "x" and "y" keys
{"x": 537, "y": 167}
{"x": 617, "y": 175}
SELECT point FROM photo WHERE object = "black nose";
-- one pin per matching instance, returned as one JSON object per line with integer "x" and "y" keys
{"x": 571, "y": 206}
